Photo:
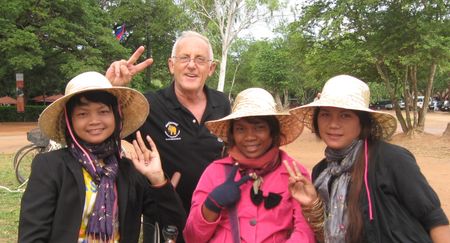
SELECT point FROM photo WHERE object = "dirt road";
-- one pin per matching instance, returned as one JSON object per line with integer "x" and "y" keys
{"x": 431, "y": 151}
{"x": 14, "y": 135}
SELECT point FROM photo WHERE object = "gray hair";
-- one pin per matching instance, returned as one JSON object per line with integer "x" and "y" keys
{"x": 190, "y": 33}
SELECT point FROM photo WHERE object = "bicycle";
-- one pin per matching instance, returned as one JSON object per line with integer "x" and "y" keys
{"x": 25, "y": 155}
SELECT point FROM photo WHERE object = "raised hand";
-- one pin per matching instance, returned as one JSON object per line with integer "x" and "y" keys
{"x": 121, "y": 72}
{"x": 147, "y": 161}
{"x": 175, "y": 179}
{"x": 227, "y": 193}
{"x": 300, "y": 187}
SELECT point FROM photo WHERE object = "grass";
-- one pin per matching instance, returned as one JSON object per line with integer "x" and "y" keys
{"x": 9, "y": 201}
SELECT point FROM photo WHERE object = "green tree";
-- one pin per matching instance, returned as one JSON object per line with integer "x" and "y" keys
{"x": 228, "y": 19}
{"x": 52, "y": 41}
{"x": 269, "y": 68}
{"x": 400, "y": 43}
{"x": 154, "y": 24}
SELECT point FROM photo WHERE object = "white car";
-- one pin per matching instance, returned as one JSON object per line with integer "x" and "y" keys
{"x": 401, "y": 104}
{"x": 420, "y": 101}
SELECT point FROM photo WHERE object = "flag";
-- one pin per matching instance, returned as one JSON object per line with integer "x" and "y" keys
{"x": 120, "y": 32}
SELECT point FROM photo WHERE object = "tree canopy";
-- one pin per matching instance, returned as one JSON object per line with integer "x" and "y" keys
{"x": 400, "y": 48}
{"x": 52, "y": 41}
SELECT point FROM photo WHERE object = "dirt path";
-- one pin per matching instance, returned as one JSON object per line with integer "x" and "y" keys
{"x": 431, "y": 151}
{"x": 14, "y": 135}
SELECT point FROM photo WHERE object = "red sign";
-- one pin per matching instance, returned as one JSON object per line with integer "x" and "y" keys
{"x": 20, "y": 84}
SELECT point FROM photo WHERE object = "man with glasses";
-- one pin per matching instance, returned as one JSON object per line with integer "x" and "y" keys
{"x": 178, "y": 112}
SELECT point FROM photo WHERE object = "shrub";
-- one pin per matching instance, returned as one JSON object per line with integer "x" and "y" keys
{"x": 10, "y": 114}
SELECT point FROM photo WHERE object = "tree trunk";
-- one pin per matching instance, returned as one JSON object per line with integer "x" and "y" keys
{"x": 286, "y": 102}
{"x": 223, "y": 69}
{"x": 232, "y": 81}
{"x": 278, "y": 99}
{"x": 407, "y": 95}
{"x": 227, "y": 38}
{"x": 406, "y": 127}
{"x": 430, "y": 80}
{"x": 413, "y": 75}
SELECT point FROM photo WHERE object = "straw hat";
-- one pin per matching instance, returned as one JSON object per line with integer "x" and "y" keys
{"x": 348, "y": 92}
{"x": 257, "y": 102}
{"x": 133, "y": 105}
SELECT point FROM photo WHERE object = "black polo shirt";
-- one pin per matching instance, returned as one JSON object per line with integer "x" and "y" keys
{"x": 183, "y": 144}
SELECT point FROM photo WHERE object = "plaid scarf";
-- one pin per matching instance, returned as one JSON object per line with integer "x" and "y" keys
{"x": 100, "y": 223}
{"x": 340, "y": 163}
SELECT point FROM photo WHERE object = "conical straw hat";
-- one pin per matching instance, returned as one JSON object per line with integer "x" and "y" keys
{"x": 133, "y": 104}
{"x": 348, "y": 92}
{"x": 257, "y": 102}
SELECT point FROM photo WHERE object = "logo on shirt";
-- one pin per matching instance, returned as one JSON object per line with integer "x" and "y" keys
{"x": 172, "y": 131}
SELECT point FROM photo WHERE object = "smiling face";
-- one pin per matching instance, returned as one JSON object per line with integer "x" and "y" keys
{"x": 93, "y": 122}
{"x": 252, "y": 136}
{"x": 191, "y": 76}
{"x": 338, "y": 127}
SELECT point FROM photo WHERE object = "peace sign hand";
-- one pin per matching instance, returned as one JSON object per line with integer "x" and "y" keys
{"x": 300, "y": 187}
{"x": 121, "y": 72}
{"x": 147, "y": 161}
{"x": 226, "y": 194}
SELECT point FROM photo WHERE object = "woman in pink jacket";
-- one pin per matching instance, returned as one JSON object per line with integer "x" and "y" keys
{"x": 244, "y": 197}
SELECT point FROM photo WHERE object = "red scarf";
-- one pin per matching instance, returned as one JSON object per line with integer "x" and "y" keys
{"x": 261, "y": 165}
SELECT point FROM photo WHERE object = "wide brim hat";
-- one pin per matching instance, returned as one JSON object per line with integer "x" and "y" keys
{"x": 134, "y": 106}
{"x": 257, "y": 102}
{"x": 350, "y": 93}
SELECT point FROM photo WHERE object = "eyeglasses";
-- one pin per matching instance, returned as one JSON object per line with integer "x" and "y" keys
{"x": 197, "y": 60}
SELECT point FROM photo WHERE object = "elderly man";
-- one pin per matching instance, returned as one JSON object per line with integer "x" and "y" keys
{"x": 178, "y": 112}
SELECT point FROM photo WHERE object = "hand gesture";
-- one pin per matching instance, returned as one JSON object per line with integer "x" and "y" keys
{"x": 300, "y": 187}
{"x": 147, "y": 161}
{"x": 121, "y": 72}
{"x": 227, "y": 193}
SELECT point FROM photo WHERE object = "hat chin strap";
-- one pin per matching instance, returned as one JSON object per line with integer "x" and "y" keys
{"x": 75, "y": 140}
{"x": 119, "y": 110}
{"x": 366, "y": 162}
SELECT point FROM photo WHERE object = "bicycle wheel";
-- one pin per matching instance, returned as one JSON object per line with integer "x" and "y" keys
{"x": 23, "y": 161}
{"x": 19, "y": 153}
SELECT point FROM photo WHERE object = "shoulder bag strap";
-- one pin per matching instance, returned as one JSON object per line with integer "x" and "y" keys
{"x": 232, "y": 211}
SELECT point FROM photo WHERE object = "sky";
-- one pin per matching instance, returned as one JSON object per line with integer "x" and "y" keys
{"x": 262, "y": 30}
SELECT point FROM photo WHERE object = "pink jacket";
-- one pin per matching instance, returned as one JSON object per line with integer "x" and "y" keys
{"x": 283, "y": 223}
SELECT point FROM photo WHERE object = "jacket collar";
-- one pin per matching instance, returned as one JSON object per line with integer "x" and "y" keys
{"x": 122, "y": 191}
{"x": 76, "y": 169}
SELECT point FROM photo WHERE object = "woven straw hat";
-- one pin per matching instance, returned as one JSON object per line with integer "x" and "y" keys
{"x": 348, "y": 92}
{"x": 133, "y": 105}
{"x": 257, "y": 102}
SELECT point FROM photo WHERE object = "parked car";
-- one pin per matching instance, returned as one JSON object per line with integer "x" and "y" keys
{"x": 381, "y": 105}
{"x": 389, "y": 106}
{"x": 421, "y": 99}
{"x": 402, "y": 104}
{"x": 445, "y": 106}
{"x": 435, "y": 105}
